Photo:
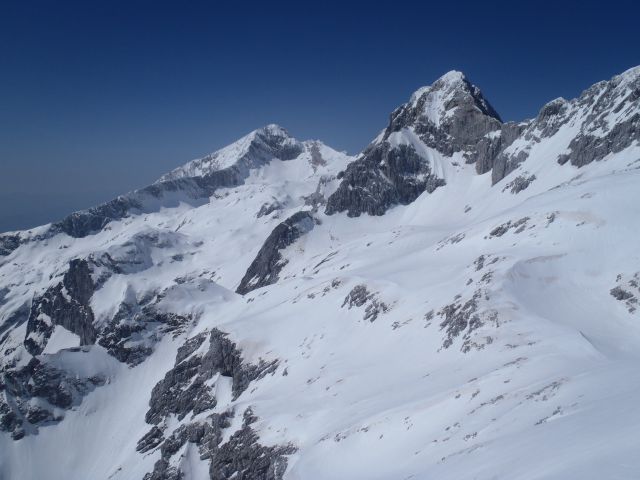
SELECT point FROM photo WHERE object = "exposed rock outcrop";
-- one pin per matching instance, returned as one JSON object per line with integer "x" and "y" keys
{"x": 36, "y": 393}
{"x": 450, "y": 116}
{"x": 382, "y": 177}
{"x": 463, "y": 318}
{"x": 487, "y": 151}
{"x": 131, "y": 334}
{"x": 627, "y": 290}
{"x": 360, "y": 296}
{"x": 269, "y": 262}
{"x": 189, "y": 388}
{"x": 607, "y": 115}
{"x": 186, "y": 388}
{"x": 243, "y": 457}
{"x": 8, "y": 243}
{"x": 65, "y": 304}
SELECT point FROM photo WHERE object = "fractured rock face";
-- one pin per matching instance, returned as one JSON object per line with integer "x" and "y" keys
{"x": 612, "y": 122}
{"x": 8, "y": 243}
{"x": 487, "y": 155}
{"x": 382, "y": 177}
{"x": 65, "y": 304}
{"x": 131, "y": 333}
{"x": 34, "y": 395}
{"x": 587, "y": 148}
{"x": 450, "y": 116}
{"x": 627, "y": 290}
{"x": 189, "y": 388}
{"x": 185, "y": 387}
{"x": 243, "y": 457}
{"x": 360, "y": 296}
{"x": 607, "y": 116}
{"x": 269, "y": 262}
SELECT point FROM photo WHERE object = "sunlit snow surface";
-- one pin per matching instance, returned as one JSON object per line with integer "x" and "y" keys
{"x": 548, "y": 387}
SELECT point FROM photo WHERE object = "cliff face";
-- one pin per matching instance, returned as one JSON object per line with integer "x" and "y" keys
{"x": 449, "y": 117}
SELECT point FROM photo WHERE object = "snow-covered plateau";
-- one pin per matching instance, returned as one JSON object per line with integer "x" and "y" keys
{"x": 458, "y": 301}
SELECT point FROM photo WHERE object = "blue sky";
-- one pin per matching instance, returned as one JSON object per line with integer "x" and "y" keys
{"x": 98, "y": 98}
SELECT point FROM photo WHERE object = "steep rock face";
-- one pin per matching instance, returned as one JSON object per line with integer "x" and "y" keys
{"x": 134, "y": 330}
{"x": 66, "y": 304}
{"x": 189, "y": 388}
{"x": 269, "y": 262}
{"x": 33, "y": 387}
{"x": 383, "y": 177}
{"x": 8, "y": 243}
{"x": 36, "y": 394}
{"x": 490, "y": 146}
{"x": 243, "y": 457}
{"x": 604, "y": 119}
{"x": 16, "y": 318}
{"x": 612, "y": 120}
{"x": 450, "y": 116}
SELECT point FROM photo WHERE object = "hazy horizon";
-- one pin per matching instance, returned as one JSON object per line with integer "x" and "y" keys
{"x": 102, "y": 99}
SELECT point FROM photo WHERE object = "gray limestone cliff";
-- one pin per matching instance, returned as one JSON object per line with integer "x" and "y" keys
{"x": 269, "y": 261}
{"x": 450, "y": 116}
{"x": 65, "y": 304}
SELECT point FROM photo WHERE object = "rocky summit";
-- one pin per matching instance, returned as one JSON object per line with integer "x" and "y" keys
{"x": 460, "y": 300}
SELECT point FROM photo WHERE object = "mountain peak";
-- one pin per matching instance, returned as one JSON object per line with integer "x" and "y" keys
{"x": 257, "y": 147}
{"x": 452, "y": 77}
{"x": 630, "y": 74}
{"x": 272, "y": 129}
{"x": 451, "y": 90}
{"x": 448, "y": 81}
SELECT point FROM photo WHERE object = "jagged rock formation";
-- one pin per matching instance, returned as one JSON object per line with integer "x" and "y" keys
{"x": 35, "y": 395}
{"x": 607, "y": 115}
{"x": 130, "y": 335}
{"x": 8, "y": 243}
{"x": 188, "y": 388}
{"x": 184, "y": 389}
{"x": 383, "y": 177}
{"x": 243, "y": 457}
{"x": 269, "y": 262}
{"x": 487, "y": 156}
{"x": 450, "y": 116}
{"x": 67, "y": 305}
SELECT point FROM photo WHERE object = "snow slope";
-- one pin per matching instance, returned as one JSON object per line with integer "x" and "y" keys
{"x": 485, "y": 329}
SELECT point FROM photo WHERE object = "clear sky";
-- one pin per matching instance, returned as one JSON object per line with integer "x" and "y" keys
{"x": 100, "y": 97}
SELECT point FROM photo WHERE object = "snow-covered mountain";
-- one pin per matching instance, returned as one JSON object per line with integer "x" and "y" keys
{"x": 458, "y": 301}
